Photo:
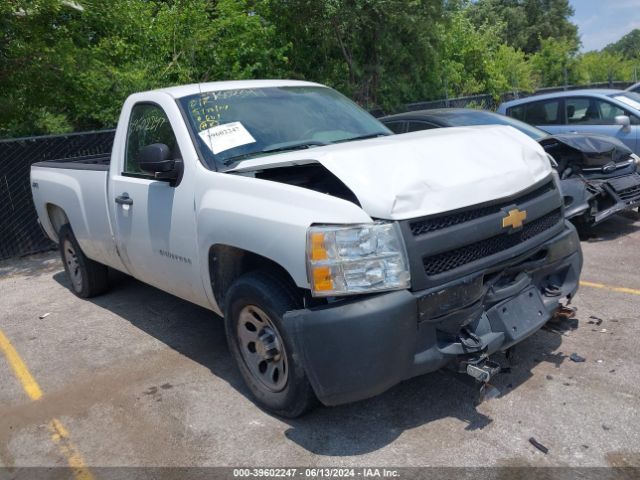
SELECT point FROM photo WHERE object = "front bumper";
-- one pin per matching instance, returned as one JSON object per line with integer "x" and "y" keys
{"x": 598, "y": 200}
{"x": 358, "y": 348}
{"x": 624, "y": 193}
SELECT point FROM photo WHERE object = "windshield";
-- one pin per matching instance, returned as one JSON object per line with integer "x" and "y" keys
{"x": 631, "y": 99}
{"x": 465, "y": 119}
{"x": 233, "y": 125}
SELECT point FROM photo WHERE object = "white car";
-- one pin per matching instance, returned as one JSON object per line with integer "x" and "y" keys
{"x": 343, "y": 258}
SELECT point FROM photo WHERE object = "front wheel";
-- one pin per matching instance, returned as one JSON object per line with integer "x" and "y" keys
{"x": 265, "y": 355}
{"x": 88, "y": 278}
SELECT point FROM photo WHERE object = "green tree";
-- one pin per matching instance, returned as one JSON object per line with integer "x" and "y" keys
{"x": 605, "y": 66}
{"x": 474, "y": 60}
{"x": 556, "y": 63}
{"x": 510, "y": 71}
{"x": 526, "y": 22}
{"x": 628, "y": 46}
{"x": 69, "y": 66}
{"x": 380, "y": 52}
{"x": 35, "y": 56}
{"x": 464, "y": 55}
{"x": 243, "y": 44}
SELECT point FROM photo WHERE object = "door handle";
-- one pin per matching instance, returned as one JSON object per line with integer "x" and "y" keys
{"x": 124, "y": 199}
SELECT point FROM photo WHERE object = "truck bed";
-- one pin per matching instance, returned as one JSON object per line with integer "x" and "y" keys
{"x": 78, "y": 187}
{"x": 87, "y": 162}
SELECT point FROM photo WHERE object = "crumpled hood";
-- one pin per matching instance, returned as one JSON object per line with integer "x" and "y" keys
{"x": 423, "y": 173}
{"x": 593, "y": 150}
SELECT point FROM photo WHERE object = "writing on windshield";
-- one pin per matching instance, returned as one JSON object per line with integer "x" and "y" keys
{"x": 272, "y": 119}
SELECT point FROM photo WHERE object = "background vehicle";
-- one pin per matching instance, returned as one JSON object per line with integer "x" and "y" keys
{"x": 634, "y": 88}
{"x": 343, "y": 258}
{"x": 599, "y": 174}
{"x": 606, "y": 112}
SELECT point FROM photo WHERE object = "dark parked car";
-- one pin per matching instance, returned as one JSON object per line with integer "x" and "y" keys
{"x": 598, "y": 174}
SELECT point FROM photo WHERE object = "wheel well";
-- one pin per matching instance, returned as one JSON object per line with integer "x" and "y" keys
{"x": 227, "y": 263}
{"x": 57, "y": 217}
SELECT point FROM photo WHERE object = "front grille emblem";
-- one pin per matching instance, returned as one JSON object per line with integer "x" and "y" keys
{"x": 514, "y": 219}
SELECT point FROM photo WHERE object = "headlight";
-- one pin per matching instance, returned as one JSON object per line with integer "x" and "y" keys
{"x": 636, "y": 159}
{"x": 552, "y": 161}
{"x": 345, "y": 260}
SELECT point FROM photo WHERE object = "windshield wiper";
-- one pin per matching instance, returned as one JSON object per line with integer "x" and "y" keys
{"x": 237, "y": 158}
{"x": 364, "y": 137}
{"x": 284, "y": 148}
{"x": 295, "y": 146}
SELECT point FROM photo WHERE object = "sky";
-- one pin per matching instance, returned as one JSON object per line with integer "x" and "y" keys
{"x": 602, "y": 22}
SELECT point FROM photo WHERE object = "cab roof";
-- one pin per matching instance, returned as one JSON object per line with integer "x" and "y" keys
{"x": 195, "y": 88}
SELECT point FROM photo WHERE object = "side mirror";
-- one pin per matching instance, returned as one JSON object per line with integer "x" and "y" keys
{"x": 155, "y": 159}
{"x": 624, "y": 121}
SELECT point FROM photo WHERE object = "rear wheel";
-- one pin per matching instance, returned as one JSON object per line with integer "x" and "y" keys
{"x": 261, "y": 347}
{"x": 88, "y": 278}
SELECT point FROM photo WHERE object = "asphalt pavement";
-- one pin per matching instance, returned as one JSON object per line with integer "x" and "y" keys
{"x": 137, "y": 377}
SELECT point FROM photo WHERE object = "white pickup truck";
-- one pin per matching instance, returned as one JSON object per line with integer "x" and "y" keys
{"x": 344, "y": 259}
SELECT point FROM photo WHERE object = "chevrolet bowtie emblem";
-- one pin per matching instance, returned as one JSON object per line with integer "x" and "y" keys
{"x": 514, "y": 219}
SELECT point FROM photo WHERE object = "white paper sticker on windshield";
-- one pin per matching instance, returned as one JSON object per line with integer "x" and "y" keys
{"x": 629, "y": 101}
{"x": 226, "y": 136}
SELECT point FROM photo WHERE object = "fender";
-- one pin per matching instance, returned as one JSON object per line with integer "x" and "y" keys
{"x": 264, "y": 217}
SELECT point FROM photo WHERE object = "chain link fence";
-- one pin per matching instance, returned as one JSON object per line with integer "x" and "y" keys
{"x": 20, "y": 233}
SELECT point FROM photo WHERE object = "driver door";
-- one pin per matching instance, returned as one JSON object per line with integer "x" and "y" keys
{"x": 155, "y": 222}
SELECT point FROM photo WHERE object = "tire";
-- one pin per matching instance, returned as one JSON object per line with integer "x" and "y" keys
{"x": 271, "y": 368}
{"x": 87, "y": 278}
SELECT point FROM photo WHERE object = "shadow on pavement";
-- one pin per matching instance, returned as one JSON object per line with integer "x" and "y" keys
{"x": 347, "y": 430}
{"x": 30, "y": 265}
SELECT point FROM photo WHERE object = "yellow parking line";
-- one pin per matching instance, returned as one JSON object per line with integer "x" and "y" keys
{"x": 59, "y": 434}
{"x": 610, "y": 288}
{"x": 21, "y": 371}
{"x": 60, "y": 437}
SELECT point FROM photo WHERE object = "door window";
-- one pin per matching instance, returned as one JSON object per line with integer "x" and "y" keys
{"x": 418, "y": 126}
{"x": 591, "y": 111}
{"x": 148, "y": 124}
{"x": 538, "y": 113}
{"x": 395, "y": 127}
{"x": 577, "y": 109}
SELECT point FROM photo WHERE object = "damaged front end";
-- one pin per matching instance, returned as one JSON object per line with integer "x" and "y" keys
{"x": 483, "y": 279}
{"x": 598, "y": 176}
